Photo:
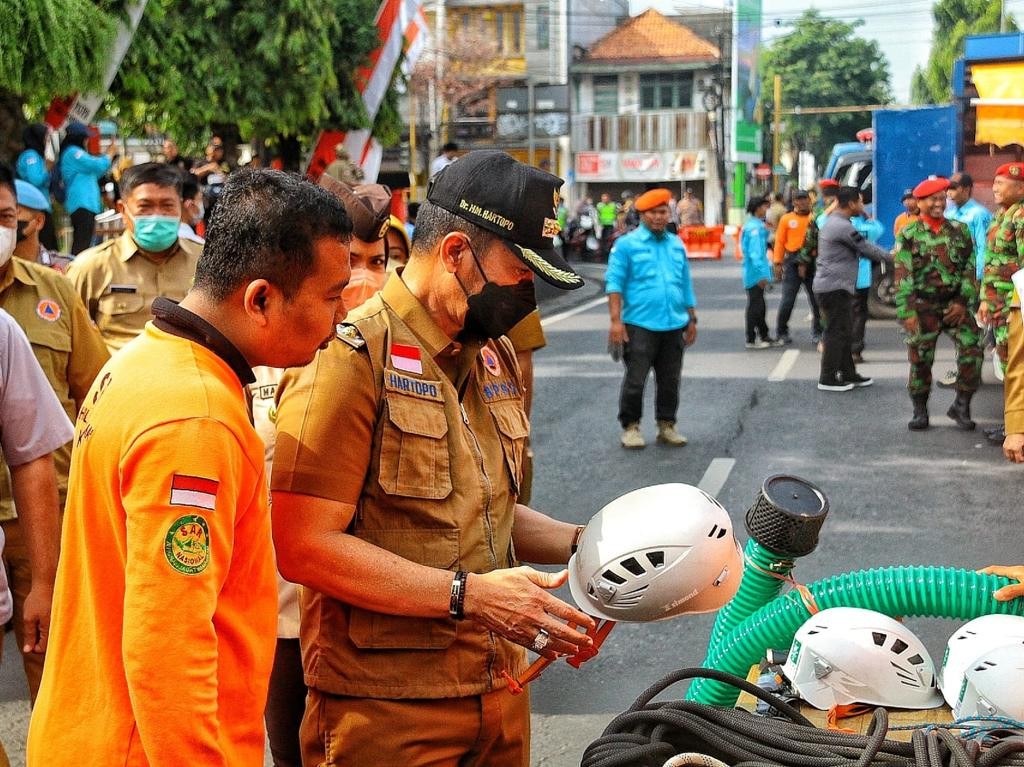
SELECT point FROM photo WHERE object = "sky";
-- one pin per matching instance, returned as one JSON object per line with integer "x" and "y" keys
{"x": 902, "y": 29}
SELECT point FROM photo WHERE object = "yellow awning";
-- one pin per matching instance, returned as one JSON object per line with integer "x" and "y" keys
{"x": 1000, "y": 124}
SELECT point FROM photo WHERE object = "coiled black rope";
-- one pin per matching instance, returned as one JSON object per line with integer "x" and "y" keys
{"x": 648, "y": 734}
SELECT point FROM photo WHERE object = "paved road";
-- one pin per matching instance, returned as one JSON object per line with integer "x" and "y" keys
{"x": 897, "y": 498}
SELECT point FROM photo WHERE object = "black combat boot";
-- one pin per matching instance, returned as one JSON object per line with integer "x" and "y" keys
{"x": 960, "y": 411}
{"x": 920, "y": 420}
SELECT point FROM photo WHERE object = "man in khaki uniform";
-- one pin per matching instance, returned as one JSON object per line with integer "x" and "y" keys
{"x": 118, "y": 279}
{"x": 413, "y": 605}
{"x": 70, "y": 351}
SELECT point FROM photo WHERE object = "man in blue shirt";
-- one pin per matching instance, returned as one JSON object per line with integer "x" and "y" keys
{"x": 962, "y": 207}
{"x": 651, "y": 303}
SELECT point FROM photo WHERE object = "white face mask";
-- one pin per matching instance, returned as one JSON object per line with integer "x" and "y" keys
{"x": 8, "y": 239}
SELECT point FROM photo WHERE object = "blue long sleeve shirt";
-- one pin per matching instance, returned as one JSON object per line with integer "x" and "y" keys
{"x": 871, "y": 229}
{"x": 652, "y": 274}
{"x": 82, "y": 172}
{"x": 32, "y": 168}
{"x": 978, "y": 220}
{"x": 754, "y": 244}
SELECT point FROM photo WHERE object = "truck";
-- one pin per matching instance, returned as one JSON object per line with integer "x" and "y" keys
{"x": 906, "y": 145}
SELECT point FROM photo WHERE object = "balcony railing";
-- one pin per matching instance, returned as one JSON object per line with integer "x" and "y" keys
{"x": 641, "y": 132}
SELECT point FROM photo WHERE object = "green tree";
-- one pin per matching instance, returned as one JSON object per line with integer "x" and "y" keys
{"x": 823, "y": 64}
{"x": 48, "y": 48}
{"x": 954, "y": 20}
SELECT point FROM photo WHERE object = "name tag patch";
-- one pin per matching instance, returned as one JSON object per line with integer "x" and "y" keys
{"x": 415, "y": 387}
{"x": 500, "y": 390}
{"x": 124, "y": 288}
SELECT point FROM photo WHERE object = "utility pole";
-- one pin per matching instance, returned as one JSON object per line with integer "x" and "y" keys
{"x": 413, "y": 114}
{"x": 777, "y": 132}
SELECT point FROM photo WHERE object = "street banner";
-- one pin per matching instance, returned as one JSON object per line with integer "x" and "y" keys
{"x": 401, "y": 26}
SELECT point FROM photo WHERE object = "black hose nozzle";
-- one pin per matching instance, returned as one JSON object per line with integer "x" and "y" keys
{"x": 787, "y": 515}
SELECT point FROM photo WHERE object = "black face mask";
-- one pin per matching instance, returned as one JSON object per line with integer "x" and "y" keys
{"x": 21, "y": 230}
{"x": 496, "y": 309}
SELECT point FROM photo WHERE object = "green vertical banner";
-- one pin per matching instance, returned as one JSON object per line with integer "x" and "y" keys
{"x": 739, "y": 186}
{"x": 746, "y": 82}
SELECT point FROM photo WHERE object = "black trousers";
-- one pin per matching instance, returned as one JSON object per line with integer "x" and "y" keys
{"x": 859, "y": 307}
{"x": 646, "y": 349}
{"x": 756, "y": 325}
{"x": 83, "y": 224}
{"x": 791, "y": 283}
{"x": 48, "y": 234}
{"x": 286, "y": 704}
{"x": 837, "y": 360}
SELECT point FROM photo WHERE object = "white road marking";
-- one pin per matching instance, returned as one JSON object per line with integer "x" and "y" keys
{"x": 716, "y": 475}
{"x": 785, "y": 364}
{"x": 548, "y": 321}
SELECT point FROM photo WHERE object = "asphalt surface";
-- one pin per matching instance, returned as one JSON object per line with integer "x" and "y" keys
{"x": 939, "y": 497}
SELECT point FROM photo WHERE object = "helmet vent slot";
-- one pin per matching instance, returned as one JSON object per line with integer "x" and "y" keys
{"x": 656, "y": 558}
{"x": 899, "y": 646}
{"x": 714, "y": 529}
{"x": 917, "y": 660}
{"x": 722, "y": 533}
{"x": 614, "y": 577}
{"x": 632, "y": 566}
{"x": 878, "y": 638}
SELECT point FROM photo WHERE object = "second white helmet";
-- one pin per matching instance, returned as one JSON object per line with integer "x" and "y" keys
{"x": 848, "y": 655}
{"x": 971, "y": 641}
{"x": 655, "y": 553}
{"x": 994, "y": 684}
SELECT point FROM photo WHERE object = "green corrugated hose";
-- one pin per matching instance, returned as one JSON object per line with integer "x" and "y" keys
{"x": 756, "y": 589}
{"x": 925, "y": 591}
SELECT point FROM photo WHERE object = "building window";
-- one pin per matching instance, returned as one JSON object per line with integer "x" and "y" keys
{"x": 666, "y": 90}
{"x": 499, "y": 30}
{"x": 517, "y": 31}
{"x": 606, "y": 94}
{"x": 543, "y": 28}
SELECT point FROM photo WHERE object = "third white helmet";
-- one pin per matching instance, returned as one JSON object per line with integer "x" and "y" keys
{"x": 969, "y": 642}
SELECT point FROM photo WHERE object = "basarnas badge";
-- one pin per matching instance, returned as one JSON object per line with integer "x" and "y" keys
{"x": 187, "y": 545}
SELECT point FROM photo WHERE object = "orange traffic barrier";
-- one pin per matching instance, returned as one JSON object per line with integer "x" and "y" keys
{"x": 703, "y": 241}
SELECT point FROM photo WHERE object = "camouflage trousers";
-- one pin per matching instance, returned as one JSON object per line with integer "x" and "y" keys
{"x": 921, "y": 351}
{"x": 1001, "y": 331}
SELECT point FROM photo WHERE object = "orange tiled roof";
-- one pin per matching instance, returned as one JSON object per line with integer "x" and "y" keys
{"x": 651, "y": 37}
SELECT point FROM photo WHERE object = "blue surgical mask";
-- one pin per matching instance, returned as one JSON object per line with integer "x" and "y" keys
{"x": 156, "y": 233}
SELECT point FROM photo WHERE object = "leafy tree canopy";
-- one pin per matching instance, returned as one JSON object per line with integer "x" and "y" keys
{"x": 823, "y": 64}
{"x": 954, "y": 20}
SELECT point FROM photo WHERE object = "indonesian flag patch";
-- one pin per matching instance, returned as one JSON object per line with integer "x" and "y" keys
{"x": 194, "y": 491}
{"x": 406, "y": 358}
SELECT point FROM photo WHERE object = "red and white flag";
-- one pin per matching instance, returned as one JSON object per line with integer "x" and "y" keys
{"x": 194, "y": 491}
{"x": 406, "y": 358}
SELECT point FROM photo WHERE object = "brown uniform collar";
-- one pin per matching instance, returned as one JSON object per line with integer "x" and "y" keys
{"x": 171, "y": 318}
{"x": 16, "y": 269}
{"x": 397, "y": 295}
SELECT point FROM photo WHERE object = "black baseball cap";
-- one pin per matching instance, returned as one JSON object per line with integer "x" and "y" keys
{"x": 515, "y": 201}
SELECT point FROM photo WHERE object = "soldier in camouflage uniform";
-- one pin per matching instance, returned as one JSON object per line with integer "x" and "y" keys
{"x": 937, "y": 292}
{"x": 1004, "y": 256}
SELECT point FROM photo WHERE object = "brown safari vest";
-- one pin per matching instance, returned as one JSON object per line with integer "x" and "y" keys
{"x": 440, "y": 490}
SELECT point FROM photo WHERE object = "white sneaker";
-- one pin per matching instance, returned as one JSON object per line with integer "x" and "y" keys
{"x": 947, "y": 380}
{"x": 997, "y": 366}
{"x": 759, "y": 344}
{"x": 835, "y": 387}
{"x": 632, "y": 439}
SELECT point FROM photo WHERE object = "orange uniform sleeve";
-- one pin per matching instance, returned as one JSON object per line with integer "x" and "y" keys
{"x": 326, "y": 413}
{"x": 183, "y": 485}
{"x": 779, "y": 249}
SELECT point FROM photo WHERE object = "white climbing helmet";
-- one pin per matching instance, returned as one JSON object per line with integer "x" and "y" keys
{"x": 849, "y": 655}
{"x": 971, "y": 641}
{"x": 994, "y": 684}
{"x": 656, "y": 553}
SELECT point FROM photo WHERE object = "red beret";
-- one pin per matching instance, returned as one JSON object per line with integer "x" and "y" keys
{"x": 653, "y": 199}
{"x": 930, "y": 186}
{"x": 1013, "y": 170}
{"x": 828, "y": 183}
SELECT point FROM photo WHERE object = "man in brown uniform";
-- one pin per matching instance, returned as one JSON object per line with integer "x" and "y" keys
{"x": 399, "y": 460}
{"x": 118, "y": 279}
{"x": 70, "y": 352}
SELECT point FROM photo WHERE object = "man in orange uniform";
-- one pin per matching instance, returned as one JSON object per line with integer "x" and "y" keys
{"x": 166, "y": 602}
{"x": 910, "y": 212}
{"x": 796, "y": 246}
